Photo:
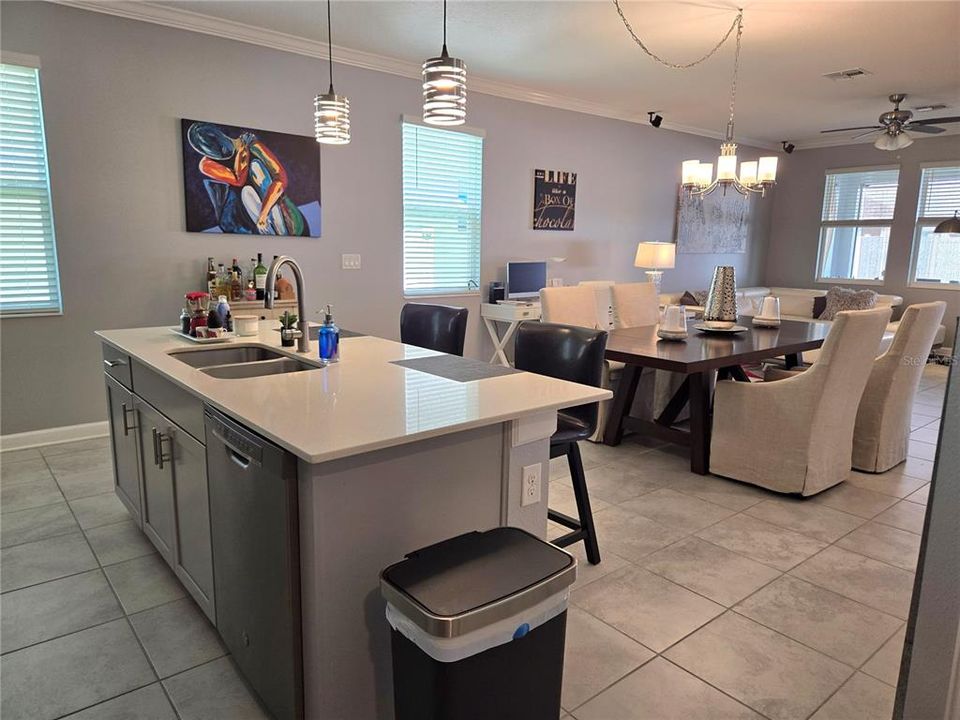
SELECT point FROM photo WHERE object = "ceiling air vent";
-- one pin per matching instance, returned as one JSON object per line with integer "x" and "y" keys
{"x": 847, "y": 74}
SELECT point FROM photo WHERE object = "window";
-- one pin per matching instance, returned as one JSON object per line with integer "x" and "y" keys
{"x": 855, "y": 225}
{"x": 29, "y": 281}
{"x": 442, "y": 177}
{"x": 936, "y": 256}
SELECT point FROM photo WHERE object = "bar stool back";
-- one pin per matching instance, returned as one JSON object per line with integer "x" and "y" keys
{"x": 435, "y": 327}
{"x": 569, "y": 353}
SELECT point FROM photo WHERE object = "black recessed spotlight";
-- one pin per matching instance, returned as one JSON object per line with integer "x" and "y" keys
{"x": 788, "y": 147}
{"x": 655, "y": 119}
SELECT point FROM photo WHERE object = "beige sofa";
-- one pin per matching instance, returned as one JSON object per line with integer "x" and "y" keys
{"x": 797, "y": 304}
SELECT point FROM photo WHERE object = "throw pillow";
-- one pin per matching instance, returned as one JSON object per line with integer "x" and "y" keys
{"x": 688, "y": 299}
{"x": 819, "y": 305}
{"x": 839, "y": 299}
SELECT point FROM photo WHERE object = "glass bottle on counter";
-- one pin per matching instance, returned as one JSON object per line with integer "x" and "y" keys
{"x": 260, "y": 276}
{"x": 211, "y": 276}
{"x": 236, "y": 287}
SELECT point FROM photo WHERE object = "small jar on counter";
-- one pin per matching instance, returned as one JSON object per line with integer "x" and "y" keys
{"x": 184, "y": 322}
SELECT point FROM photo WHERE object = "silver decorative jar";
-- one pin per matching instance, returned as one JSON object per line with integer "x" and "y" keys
{"x": 721, "y": 303}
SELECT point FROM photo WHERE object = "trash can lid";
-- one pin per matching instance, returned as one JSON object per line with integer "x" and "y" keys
{"x": 473, "y": 580}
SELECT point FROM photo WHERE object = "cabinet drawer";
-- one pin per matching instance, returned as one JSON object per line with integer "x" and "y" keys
{"x": 181, "y": 407}
{"x": 116, "y": 364}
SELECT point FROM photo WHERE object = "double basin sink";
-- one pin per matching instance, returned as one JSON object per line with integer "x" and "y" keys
{"x": 236, "y": 363}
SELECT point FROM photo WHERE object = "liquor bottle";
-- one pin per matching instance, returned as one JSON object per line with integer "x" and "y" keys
{"x": 211, "y": 276}
{"x": 236, "y": 268}
{"x": 236, "y": 287}
{"x": 223, "y": 281}
{"x": 260, "y": 276}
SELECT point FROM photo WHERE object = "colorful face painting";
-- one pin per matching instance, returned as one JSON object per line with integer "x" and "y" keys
{"x": 250, "y": 182}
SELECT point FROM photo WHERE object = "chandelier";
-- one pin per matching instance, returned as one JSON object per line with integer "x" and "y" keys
{"x": 755, "y": 176}
{"x": 697, "y": 178}
{"x": 444, "y": 86}
{"x": 331, "y": 112}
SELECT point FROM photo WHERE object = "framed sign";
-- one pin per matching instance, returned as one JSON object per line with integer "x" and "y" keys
{"x": 554, "y": 199}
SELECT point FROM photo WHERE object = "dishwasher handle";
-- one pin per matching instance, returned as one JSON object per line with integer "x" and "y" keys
{"x": 242, "y": 448}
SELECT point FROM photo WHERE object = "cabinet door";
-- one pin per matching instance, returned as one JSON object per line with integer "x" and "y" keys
{"x": 193, "y": 557}
{"x": 159, "y": 520}
{"x": 123, "y": 445}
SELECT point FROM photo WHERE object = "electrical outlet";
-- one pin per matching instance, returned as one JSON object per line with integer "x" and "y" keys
{"x": 531, "y": 485}
{"x": 350, "y": 261}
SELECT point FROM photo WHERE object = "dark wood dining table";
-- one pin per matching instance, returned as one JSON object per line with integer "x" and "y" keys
{"x": 702, "y": 358}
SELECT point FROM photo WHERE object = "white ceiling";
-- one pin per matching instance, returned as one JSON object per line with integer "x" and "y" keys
{"x": 580, "y": 51}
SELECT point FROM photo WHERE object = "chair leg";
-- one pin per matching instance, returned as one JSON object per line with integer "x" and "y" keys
{"x": 583, "y": 527}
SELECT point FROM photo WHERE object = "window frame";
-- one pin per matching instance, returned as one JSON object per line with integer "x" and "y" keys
{"x": 922, "y": 222}
{"x": 467, "y": 292}
{"x": 32, "y": 61}
{"x": 863, "y": 223}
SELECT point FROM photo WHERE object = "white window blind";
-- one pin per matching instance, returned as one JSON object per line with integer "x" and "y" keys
{"x": 936, "y": 256}
{"x": 442, "y": 180}
{"x": 29, "y": 281}
{"x": 858, "y": 207}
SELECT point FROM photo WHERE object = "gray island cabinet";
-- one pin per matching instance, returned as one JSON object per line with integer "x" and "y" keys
{"x": 277, "y": 490}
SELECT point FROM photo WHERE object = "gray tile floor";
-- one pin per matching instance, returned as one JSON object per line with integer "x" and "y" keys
{"x": 713, "y": 600}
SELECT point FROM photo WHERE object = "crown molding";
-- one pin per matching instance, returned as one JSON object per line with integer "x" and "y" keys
{"x": 229, "y": 29}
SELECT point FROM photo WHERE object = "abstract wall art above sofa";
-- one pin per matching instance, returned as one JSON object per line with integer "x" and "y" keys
{"x": 715, "y": 223}
{"x": 250, "y": 182}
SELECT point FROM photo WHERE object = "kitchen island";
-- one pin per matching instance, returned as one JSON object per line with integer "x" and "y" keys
{"x": 278, "y": 489}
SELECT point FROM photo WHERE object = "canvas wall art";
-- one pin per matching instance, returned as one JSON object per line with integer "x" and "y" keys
{"x": 250, "y": 182}
{"x": 716, "y": 223}
{"x": 554, "y": 199}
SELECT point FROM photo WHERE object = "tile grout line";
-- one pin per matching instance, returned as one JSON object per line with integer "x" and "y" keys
{"x": 113, "y": 590}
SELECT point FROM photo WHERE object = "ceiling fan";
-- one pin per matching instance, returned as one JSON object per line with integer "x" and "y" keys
{"x": 893, "y": 126}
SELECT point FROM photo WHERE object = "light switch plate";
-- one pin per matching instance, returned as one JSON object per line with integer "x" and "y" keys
{"x": 350, "y": 261}
{"x": 530, "y": 487}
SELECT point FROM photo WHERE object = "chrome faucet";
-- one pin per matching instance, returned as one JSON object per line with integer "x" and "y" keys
{"x": 303, "y": 342}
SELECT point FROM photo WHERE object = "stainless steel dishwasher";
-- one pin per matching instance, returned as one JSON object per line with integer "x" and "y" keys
{"x": 256, "y": 560}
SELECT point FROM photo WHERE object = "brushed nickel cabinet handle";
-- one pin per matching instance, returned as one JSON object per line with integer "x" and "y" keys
{"x": 114, "y": 363}
{"x": 126, "y": 427}
{"x": 156, "y": 454}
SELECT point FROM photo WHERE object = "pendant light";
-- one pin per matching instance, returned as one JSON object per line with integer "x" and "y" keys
{"x": 951, "y": 226}
{"x": 756, "y": 176}
{"x": 331, "y": 112}
{"x": 444, "y": 86}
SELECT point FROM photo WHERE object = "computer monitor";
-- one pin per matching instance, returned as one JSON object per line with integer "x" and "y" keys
{"x": 525, "y": 279}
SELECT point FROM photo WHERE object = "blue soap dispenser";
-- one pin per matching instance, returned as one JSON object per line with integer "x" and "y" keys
{"x": 329, "y": 338}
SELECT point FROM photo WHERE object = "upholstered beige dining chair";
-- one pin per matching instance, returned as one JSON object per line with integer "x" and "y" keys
{"x": 883, "y": 420}
{"x": 637, "y": 305}
{"x": 796, "y": 435}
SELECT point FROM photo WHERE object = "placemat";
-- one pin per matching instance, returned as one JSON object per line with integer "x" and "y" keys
{"x": 453, "y": 367}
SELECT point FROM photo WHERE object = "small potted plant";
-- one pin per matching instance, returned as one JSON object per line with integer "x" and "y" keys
{"x": 288, "y": 329}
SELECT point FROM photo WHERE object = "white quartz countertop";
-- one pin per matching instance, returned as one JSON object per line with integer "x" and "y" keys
{"x": 360, "y": 404}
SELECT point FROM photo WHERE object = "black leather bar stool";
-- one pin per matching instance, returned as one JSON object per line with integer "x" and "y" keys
{"x": 569, "y": 353}
{"x": 435, "y": 327}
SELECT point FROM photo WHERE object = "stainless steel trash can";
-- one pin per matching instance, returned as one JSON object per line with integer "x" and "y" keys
{"x": 478, "y": 625}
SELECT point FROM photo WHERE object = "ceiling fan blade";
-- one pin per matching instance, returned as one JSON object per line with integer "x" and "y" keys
{"x": 864, "y": 134}
{"x": 862, "y": 127}
{"x": 935, "y": 121}
{"x": 928, "y": 129}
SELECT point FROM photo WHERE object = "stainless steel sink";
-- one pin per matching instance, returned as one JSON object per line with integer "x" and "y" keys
{"x": 279, "y": 366}
{"x": 225, "y": 356}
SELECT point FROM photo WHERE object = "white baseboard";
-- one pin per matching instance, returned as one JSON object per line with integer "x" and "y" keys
{"x": 52, "y": 436}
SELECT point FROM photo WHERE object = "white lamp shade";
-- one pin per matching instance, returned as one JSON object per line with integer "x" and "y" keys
{"x": 902, "y": 140}
{"x": 726, "y": 167}
{"x": 706, "y": 174}
{"x": 690, "y": 171}
{"x": 767, "y": 169}
{"x": 655, "y": 255}
{"x": 748, "y": 173}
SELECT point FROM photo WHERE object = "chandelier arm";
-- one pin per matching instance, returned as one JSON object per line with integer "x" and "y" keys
{"x": 737, "y": 23}
{"x": 736, "y": 71}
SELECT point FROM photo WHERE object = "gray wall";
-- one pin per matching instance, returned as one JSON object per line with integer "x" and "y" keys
{"x": 114, "y": 91}
{"x": 795, "y": 229}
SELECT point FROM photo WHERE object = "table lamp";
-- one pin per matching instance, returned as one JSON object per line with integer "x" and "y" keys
{"x": 655, "y": 255}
